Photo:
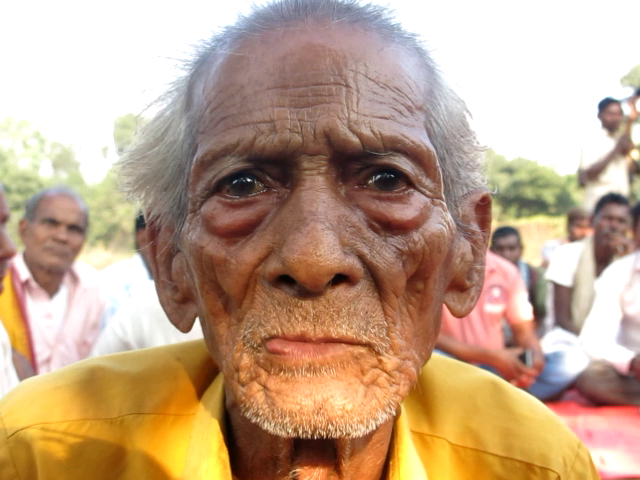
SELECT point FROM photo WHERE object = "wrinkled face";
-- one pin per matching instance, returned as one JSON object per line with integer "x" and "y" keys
{"x": 611, "y": 117}
{"x": 317, "y": 239}
{"x": 54, "y": 238}
{"x": 611, "y": 223}
{"x": 508, "y": 247}
{"x": 579, "y": 229}
{"x": 7, "y": 248}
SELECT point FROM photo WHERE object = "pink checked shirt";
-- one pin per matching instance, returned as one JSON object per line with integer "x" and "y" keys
{"x": 65, "y": 326}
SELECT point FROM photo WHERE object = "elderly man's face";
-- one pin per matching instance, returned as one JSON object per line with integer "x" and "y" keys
{"x": 55, "y": 237}
{"x": 318, "y": 246}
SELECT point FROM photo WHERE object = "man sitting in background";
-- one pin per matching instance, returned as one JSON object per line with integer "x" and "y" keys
{"x": 478, "y": 337}
{"x": 574, "y": 267}
{"x": 52, "y": 306}
{"x": 507, "y": 243}
{"x": 611, "y": 333}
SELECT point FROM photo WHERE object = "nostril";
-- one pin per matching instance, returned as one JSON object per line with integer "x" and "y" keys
{"x": 338, "y": 279}
{"x": 286, "y": 281}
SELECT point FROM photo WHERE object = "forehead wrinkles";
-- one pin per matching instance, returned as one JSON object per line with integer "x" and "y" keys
{"x": 274, "y": 88}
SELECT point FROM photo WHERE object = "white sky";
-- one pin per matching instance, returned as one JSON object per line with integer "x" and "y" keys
{"x": 530, "y": 72}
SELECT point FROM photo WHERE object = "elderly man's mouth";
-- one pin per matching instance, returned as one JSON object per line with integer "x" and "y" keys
{"x": 309, "y": 348}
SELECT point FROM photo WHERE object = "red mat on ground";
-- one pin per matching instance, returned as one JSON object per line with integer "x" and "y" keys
{"x": 612, "y": 435}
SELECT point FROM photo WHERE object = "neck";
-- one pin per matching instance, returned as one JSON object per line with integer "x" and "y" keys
{"x": 256, "y": 454}
{"x": 604, "y": 256}
{"x": 49, "y": 280}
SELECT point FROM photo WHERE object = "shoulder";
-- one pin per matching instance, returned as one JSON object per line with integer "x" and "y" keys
{"x": 563, "y": 260}
{"x": 85, "y": 273}
{"x": 571, "y": 248}
{"x": 473, "y": 413}
{"x": 617, "y": 274}
{"x": 622, "y": 266}
{"x": 164, "y": 380}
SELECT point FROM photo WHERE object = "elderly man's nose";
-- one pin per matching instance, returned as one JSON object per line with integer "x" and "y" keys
{"x": 312, "y": 260}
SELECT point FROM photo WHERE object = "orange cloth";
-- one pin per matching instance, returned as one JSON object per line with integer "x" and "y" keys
{"x": 504, "y": 295}
{"x": 14, "y": 316}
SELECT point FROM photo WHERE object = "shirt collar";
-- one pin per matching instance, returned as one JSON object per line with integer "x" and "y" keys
{"x": 25, "y": 275}
{"x": 208, "y": 457}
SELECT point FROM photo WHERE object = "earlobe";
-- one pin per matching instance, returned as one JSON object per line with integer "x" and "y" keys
{"x": 469, "y": 253}
{"x": 170, "y": 271}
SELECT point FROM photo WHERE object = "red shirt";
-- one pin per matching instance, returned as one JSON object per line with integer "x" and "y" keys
{"x": 504, "y": 295}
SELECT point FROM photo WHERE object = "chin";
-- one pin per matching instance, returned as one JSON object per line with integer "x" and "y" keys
{"x": 346, "y": 400}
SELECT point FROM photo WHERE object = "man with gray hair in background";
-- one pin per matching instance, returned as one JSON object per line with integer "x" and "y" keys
{"x": 314, "y": 196}
{"x": 52, "y": 305}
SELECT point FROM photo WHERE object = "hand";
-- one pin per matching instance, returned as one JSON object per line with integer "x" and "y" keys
{"x": 538, "y": 361}
{"x": 621, "y": 244}
{"x": 634, "y": 367}
{"x": 506, "y": 362}
{"x": 624, "y": 145}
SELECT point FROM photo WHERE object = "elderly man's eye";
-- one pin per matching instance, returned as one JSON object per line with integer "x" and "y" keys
{"x": 386, "y": 181}
{"x": 241, "y": 185}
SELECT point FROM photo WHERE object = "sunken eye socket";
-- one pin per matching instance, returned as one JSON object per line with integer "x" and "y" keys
{"x": 387, "y": 180}
{"x": 241, "y": 184}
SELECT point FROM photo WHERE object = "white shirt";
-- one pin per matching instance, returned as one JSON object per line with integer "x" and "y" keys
{"x": 613, "y": 178}
{"x": 612, "y": 330}
{"x": 563, "y": 265}
{"x": 8, "y": 376}
{"x": 63, "y": 328}
{"x": 50, "y": 313}
{"x": 141, "y": 323}
{"x": 118, "y": 281}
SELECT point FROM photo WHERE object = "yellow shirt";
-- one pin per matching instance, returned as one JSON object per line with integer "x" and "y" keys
{"x": 158, "y": 414}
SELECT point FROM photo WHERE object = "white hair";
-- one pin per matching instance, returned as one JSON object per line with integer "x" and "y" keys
{"x": 156, "y": 168}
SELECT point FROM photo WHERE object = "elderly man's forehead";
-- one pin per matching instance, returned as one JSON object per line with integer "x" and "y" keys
{"x": 331, "y": 54}
{"x": 305, "y": 83}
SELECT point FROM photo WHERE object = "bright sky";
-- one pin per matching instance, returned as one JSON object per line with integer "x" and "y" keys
{"x": 531, "y": 72}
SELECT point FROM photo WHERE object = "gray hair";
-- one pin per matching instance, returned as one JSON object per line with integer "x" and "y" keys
{"x": 155, "y": 170}
{"x": 32, "y": 203}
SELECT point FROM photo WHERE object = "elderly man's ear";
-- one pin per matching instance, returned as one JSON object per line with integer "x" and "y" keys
{"x": 170, "y": 271}
{"x": 469, "y": 253}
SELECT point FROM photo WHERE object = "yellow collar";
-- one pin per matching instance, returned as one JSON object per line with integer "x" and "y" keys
{"x": 208, "y": 457}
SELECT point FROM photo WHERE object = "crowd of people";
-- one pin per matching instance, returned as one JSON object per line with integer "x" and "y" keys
{"x": 316, "y": 213}
{"x": 572, "y": 323}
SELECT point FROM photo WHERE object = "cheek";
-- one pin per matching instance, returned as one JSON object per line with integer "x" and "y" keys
{"x": 427, "y": 269}
{"x": 393, "y": 214}
{"x": 232, "y": 219}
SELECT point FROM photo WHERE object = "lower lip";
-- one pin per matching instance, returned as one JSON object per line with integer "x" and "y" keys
{"x": 304, "y": 348}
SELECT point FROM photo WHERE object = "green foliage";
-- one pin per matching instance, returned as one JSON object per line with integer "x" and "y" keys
{"x": 523, "y": 188}
{"x": 111, "y": 215}
{"x": 632, "y": 78}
